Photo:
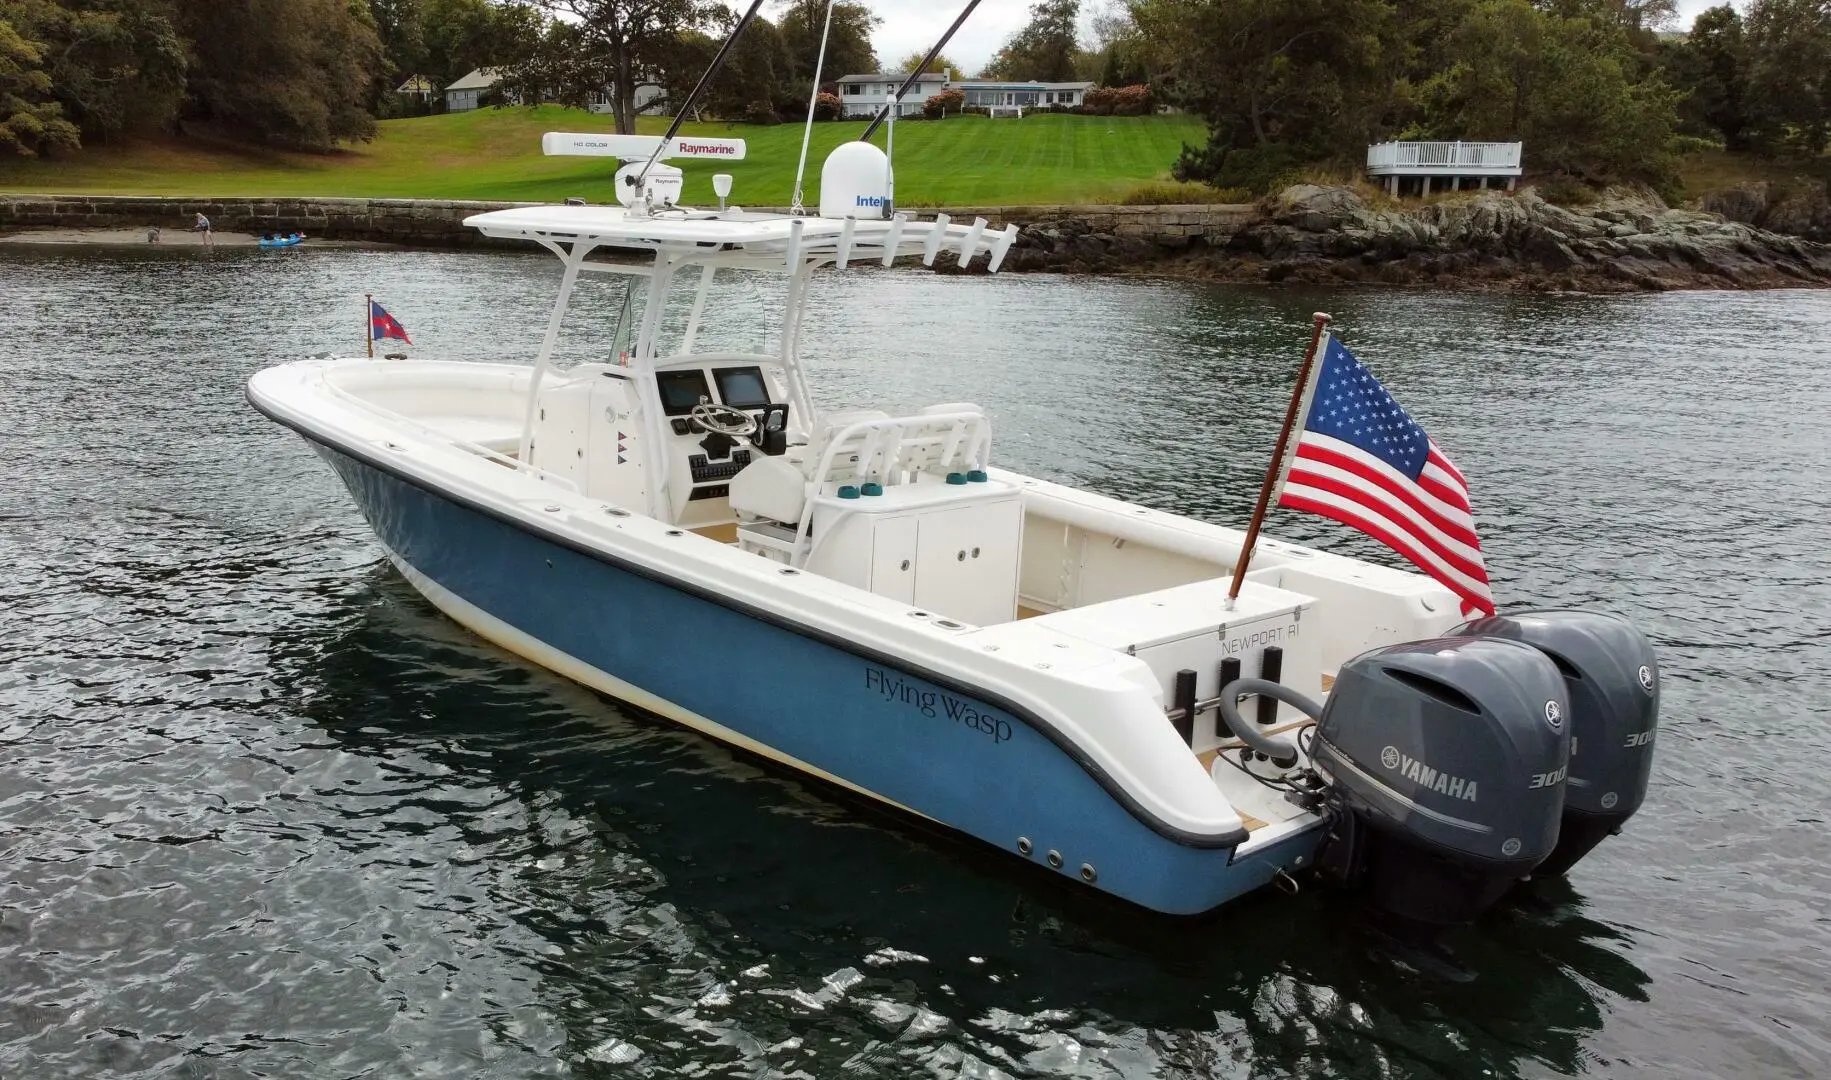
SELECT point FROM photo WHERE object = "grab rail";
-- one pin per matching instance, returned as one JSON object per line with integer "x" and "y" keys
{"x": 967, "y": 442}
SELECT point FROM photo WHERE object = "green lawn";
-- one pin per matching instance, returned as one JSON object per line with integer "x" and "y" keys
{"x": 495, "y": 154}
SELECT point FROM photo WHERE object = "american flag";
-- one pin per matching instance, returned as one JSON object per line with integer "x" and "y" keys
{"x": 1363, "y": 462}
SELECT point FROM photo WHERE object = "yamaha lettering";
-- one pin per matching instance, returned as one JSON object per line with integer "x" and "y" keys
{"x": 936, "y": 704}
{"x": 1426, "y": 777}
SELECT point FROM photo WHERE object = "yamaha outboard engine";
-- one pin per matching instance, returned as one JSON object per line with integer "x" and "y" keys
{"x": 1444, "y": 762}
{"x": 1612, "y": 680}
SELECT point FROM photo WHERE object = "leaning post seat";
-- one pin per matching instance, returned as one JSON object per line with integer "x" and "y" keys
{"x": 851, "y": 449}
{"x": 769, "y": 489}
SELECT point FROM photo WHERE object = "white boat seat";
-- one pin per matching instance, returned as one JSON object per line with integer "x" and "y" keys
{"x": 769, "y": 489}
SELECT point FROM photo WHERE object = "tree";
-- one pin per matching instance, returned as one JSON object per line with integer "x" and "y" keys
{"x": 297, "y": 72}
{"x": 1045, "y": 49}
{"x": 114, "y": 65}
{"x": 940, "y": 65}
{"x": 1632, "y": 15}
{"x": 615, "y": 45}
{"x": 758, "y": 69}
{"x": 1282, "y": 83}
{"x": 30, "y": 122}
{"x": 1114, "y": 56}
{"x": 1711, "y": 63}
{"x": 1789, "y": 77}
{"x": 848, "y": 48}
{"x": 399, "y": 27}
{"x": 460, "y": 36}
{"x": 1570, "y": 88}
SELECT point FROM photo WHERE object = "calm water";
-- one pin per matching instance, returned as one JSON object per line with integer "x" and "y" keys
{"x": 263, "y": 812}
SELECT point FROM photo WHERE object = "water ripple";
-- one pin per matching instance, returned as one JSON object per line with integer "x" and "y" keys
{"x": 262, "y": 812}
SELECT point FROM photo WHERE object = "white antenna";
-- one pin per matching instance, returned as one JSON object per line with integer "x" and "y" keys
{"x": 813, "y": 96}
{"x": 889, "y": 166}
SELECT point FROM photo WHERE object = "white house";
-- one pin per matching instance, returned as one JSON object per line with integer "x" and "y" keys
{"x": 418, "y": 86}
{"x": 464, "y": 95}
{"x": 864, "y": 95}
{"x": 996, "y": 93}
{"x": 649, "y": 97}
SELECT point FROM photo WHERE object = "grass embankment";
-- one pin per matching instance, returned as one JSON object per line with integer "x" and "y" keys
{"x": 495, "y": 154}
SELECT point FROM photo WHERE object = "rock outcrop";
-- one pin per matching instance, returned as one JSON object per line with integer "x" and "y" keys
{"x": 1802, "y": 210}
{"x": 1627, "y": 241}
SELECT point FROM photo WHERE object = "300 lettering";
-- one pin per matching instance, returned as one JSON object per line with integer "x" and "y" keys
{"x": 1548, "y": 779}
{"x": 1639, "y": 739}
{"x": 937, "y": 704}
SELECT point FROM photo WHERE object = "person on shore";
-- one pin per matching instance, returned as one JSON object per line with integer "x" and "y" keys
{"x": 152, "y": 234}
{"x": 202, "y": 225}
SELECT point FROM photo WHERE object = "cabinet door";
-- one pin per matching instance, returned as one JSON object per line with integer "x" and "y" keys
{"x": 966, "y": 562}
{"x": 893, "y": 558}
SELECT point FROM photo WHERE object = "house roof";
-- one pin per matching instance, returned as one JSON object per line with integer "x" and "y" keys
{"x": 479, "y": 79}
{"x": 927, "y": 76}
{"x": 415, "y": 84}
{"x": 1019, "y": 84}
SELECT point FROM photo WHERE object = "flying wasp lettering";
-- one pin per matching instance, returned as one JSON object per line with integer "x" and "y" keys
{"x": 936, "y": 704}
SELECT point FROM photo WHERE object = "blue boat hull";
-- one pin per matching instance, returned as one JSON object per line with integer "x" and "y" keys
{"x": 914, "y": 738}
{"x": 289, "y": 241}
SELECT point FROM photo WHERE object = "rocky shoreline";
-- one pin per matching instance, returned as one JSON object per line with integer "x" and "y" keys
{"x": 1628, "y": 241}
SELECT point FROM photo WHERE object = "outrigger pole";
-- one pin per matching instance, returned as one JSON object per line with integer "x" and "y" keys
{"x": 1321, "y": 320}
{"x": 917, "y": 73}
{"x": 711, "y": 70}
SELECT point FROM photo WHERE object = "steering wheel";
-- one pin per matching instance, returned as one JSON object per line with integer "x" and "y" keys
{"x": 723, "y": 419}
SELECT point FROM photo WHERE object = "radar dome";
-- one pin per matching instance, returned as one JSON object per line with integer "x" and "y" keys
{"x": 854, "y": 182}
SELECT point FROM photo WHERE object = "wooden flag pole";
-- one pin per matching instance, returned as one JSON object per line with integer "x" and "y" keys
{"x": 1321, "y": 320}
{"x": 368, "y": 322}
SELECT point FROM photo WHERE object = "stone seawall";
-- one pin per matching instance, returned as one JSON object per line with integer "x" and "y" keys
{"x": 430, "y": 223}
{"x": 1627, "y": 241}
{"x": 439, "y": 223}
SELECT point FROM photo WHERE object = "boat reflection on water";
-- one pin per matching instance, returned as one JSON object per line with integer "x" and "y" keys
{"x": 676, "y": 902}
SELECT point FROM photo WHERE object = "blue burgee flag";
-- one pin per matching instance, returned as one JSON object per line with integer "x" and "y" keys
{"x": 383, "y": 325}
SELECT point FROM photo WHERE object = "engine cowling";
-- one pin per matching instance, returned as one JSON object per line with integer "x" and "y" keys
{"x": 1611, "y": 677}
{"x": 1445, "y": 763}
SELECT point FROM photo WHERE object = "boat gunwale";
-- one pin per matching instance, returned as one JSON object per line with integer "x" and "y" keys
{"x": 1229, "y": 839}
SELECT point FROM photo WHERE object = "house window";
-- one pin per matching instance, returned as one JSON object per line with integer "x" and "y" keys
{"x": 851, "y": 89}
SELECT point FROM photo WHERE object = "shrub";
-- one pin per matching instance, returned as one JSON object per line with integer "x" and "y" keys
{"x": 826, "y": 107}
{"x": 1566, "y": 190}
{"x": 761, "y": 112}
{"x": 1132, "y": 101}
{"x": 947, "y": 101}
{"x": 1172, "y": 193}
{"x": 1100, "y": 100}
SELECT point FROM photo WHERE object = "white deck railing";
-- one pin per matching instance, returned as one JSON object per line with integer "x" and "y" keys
{"x": 1445, "y": 158}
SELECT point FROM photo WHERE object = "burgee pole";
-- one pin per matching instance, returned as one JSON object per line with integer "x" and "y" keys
{"x": 1321, "y": 320}
{"x": 368, "y": 322}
